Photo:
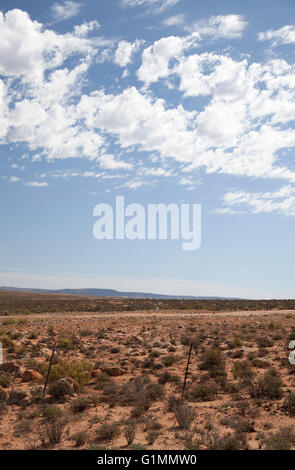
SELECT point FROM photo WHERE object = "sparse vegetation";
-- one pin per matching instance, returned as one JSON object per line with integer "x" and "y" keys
{"x": 117, "y": 379}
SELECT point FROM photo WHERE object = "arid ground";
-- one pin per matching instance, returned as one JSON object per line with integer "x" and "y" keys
{"x": 117, "y": 375}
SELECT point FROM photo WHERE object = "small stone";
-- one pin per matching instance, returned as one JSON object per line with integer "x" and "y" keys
{"x": 31, "y": 375}
{"x": 112, "y": 371}
{"x": 75, "y": 386}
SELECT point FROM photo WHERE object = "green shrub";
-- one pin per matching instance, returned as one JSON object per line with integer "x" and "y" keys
{"x": 107, "y": 432}
{"x": 167, "y": 377}
{"x": 235, "y": 343}
{"x": 203, "y": 392}
{"x": 130, "y": 431}
{"x": 269, "y": 386}
{"x": 79, "y": 371}
{"x": 213, "y": 361}
{"x": 33, "y": 335}
{"x": 169, "y": 360}
{"x": 51, "y": 330}
{"x": 264, "y": 342}
{"x": 231, "y": 442}
{"x": 102, "y": 380}
{"x": 289, "y": 404}
{"x": 184, "y": 415}
{"x": 51, "y": 433}
{"x": 80, "y": 404}
{"x": 52, "y": 412}
{"x": 80, "y": 438}
{"x": 173, "y": 402}
{"x": 260, "y": 364}
{"x": 65, "y": 343}
{"x": 277, "y": 442}
{"x": 140, "y": 392}
{"x": 7, "y": 343}
{"x": 60, "y": 388}
{"x": 154, "y": 392}
{"x": 5, "y": 380}
{"x": 36, "y": 393}
{"x": 242, "y": 370}
{"x": 238, "y": 423}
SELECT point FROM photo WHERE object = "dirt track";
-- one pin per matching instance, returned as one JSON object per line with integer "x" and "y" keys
{"x": 156, "y": 314}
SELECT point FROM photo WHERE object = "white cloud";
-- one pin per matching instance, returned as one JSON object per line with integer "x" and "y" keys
{"x": 3, "y": 109}
{"x": 125, "y": 51}
{"x": 14, "y": 179}
{"x": 221, "y": 26}
{"x": 241, "y": 128}
{"x": 176, "y": 20}
{"x": 284, "y": 35}
{"x": 27, "y": 51}
{"x": 138, "y": 120}
{"x": 157, "y": 6}
{"x": 281, "y": 201}
{"x": 37, "y": 184}
{"x": 156, "y": 58}
{"x": 108, "y": 162}
{"x": 65, "y": 10}
{"x": 42, "y": 115}
{"x": 85, "y": 28}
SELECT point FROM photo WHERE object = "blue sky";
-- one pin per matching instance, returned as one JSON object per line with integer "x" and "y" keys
{"x": 160, "y": 101}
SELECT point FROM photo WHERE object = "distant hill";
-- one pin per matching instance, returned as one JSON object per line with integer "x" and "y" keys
{"x": 112, "y": 293}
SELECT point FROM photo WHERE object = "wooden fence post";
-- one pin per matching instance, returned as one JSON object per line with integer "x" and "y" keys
{"x": 186, "y": 371}
{"x": 49, "y": 369}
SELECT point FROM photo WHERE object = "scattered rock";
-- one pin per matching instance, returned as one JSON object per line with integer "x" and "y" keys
{"x": 31, "y": 375}
{"x": 18, "y": 397}
{"x": 112, "y": 371}
{"x": 75, "y": 386}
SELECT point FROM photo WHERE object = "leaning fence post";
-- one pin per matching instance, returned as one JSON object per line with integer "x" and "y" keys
{"x": 49, "y": 369}
{"x": 186, "y": 371}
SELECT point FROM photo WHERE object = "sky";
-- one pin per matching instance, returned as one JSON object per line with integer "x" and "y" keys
{"x": 159, "y": 101}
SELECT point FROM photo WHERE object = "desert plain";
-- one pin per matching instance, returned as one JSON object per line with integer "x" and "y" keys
{"x": 117, "y": 375}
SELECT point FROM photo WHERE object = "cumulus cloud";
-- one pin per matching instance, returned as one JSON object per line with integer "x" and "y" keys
{"x": 157, "y": 58}
{"x": 221, "y": 26}
{"x": 108, "y": 162}
{"x": 65, "y": 10}
{"x": 125, "y": 51}
{"x": 243, "y": 126}
{"x": 27, "y": 50}
{"x": 42, "y": 115}
{"x": 284, "y": 35}
{"x": 138, "y": 120}
{"x": 85, "y": 28}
